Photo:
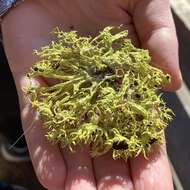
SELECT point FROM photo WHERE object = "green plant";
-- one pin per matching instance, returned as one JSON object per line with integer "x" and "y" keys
{"x": 105, "y": 96}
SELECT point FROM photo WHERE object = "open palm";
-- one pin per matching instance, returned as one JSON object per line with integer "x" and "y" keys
{"x": 150, "y": 26}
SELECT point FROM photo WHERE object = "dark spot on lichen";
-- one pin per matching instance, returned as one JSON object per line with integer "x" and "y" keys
{"x": 120, "y": 109}
{"x": 136, "y": 83}
{"x": 166, "y": 119}
{"x": 138, "y": 96}
{"x": 93, "y": 133}
{"x": 51, "y": 90}
{"x": 41, "y": 70}
{"x": 86, "y": 84}
{"x": 94, "y": 97}
{"x": 35, "y": 68}
{"x": 144, "y": 89}
{"x": 133, "y": 58}
{"x": 100, "y": 74}
{"x": 149, "y": 124}
{"x": 56, "y": 65}
{"x": 168, "y": 77}
{"x": 162, "y": 105}
{"x": 156, "y": 86}
{"x": 120, "y": 145}
{"x": 152, "y": 141}
{"x": 139, "y": 117}
{"x": 131, "y": 85}
{"x": 119, "y": 72}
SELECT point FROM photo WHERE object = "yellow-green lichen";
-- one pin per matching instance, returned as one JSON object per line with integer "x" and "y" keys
{"x": 105, "y": 96}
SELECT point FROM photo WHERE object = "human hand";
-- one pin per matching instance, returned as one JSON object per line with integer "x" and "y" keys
{"x": 28, "y": 27}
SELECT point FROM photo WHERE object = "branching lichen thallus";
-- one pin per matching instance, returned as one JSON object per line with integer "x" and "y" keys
{"x": 106, "y": 94}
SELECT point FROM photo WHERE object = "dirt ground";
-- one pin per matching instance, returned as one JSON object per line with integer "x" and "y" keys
{"x": 18, "y": 173}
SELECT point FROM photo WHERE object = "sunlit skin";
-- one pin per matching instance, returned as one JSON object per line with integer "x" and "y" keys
{"x": 150, "y": 26}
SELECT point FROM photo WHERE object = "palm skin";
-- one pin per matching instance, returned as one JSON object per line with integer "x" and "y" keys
{"x": 150, "y": 26}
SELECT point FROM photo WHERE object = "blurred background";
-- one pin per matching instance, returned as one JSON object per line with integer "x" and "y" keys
{"x": 15, "y": 165}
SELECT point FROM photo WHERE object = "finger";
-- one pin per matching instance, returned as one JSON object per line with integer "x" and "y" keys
{"x": 46, "y": 158}
{"x": 80, "y": 171}
{"x": 156, "y": 31}
{"x": 112, "y": 174}
{"x": 153, "y": 173}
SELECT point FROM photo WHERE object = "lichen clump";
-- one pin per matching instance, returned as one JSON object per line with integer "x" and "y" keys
{"x": 105, "y": 94}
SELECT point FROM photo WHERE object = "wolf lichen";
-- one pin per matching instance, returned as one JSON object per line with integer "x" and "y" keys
{"x": 105, "y": 95}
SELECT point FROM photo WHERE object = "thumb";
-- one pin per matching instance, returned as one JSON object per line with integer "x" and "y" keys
{"x": 156, "y": 31}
